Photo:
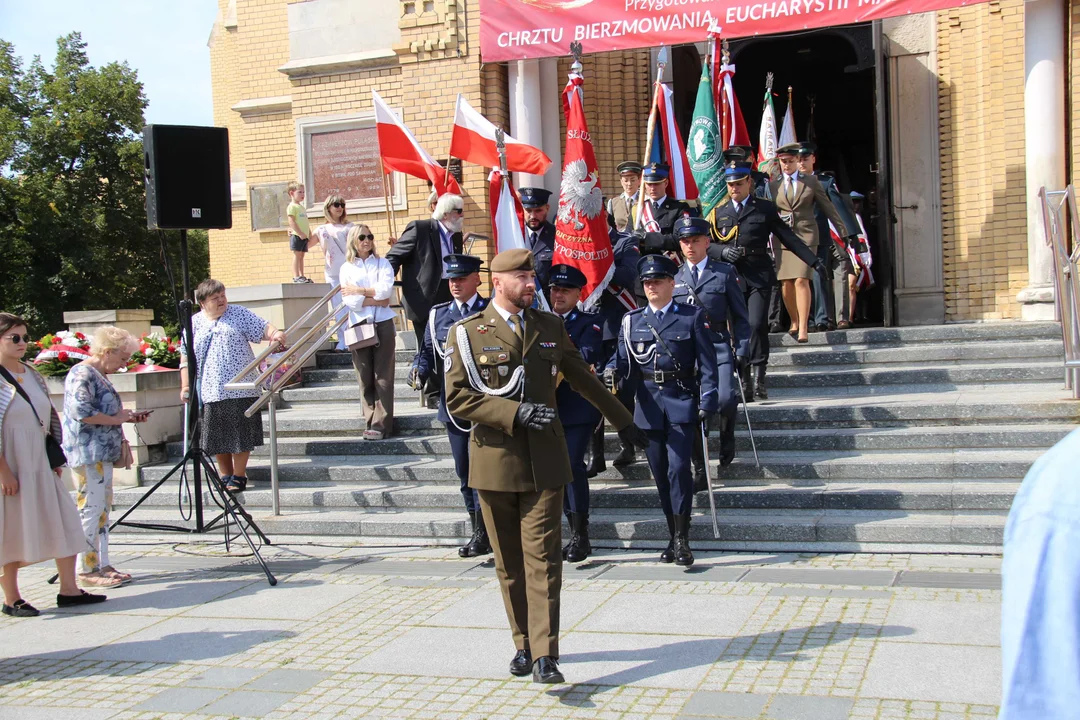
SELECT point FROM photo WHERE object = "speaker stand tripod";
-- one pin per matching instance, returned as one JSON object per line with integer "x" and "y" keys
{"x": 232, "y": 512}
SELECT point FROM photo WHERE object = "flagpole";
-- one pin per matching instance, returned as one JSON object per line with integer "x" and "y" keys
{"x": 650, "y": 129}
{"x": 390, "y": 221}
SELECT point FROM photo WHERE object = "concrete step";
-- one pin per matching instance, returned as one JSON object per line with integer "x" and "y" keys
{"x": 793, "y": 530}
{"x": 987, "y": 495}
{"x": 902, "y": 379}
{"x": 831, "y": 408}
{"x": 864, "y": 439}
{"x": 775, "y": 466}
{"x": 1003, "y": 332}
{"x": 840, "y": 357}
{"x": 933, "y": 354}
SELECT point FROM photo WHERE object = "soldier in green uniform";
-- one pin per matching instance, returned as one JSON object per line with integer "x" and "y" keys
{"x": 502, "y": 366}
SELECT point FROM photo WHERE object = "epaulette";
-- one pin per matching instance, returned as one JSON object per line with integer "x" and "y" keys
{"x": 636, "y": 310}
{"x": 441, "y": 305}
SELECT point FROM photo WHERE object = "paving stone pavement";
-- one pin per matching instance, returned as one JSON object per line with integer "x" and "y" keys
{"x": 414, "y": 632}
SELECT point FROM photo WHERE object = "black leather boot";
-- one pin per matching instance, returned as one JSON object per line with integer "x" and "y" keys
{"x": 683, "y": 556}
{"x": 627, "y": 455}
{"x": 697, "y": 460}
{"x": 571, "y": 546}
{"x": 580, "y": 548}
{"x": 759, "y": 387}
{"x": 747, "y": 384}
{"x": 727, "y": 440}
{"x": 596, "y": 454}
{"x": 668, "y": 555}
{"x": 478, "y": 544}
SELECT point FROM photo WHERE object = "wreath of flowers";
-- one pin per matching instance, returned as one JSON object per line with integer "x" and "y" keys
{"x": 157, "y": 351}
{"x": 57, "y": 353}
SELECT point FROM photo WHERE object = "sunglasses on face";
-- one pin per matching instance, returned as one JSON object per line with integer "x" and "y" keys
{"x": 337, "y": 205}
{"x": 365, "y": 237}
{"x": 16, "y": 339}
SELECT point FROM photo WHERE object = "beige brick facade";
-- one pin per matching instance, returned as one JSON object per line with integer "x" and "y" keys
{"x": 980, "y": 103}
{"x": 981, "y": 112}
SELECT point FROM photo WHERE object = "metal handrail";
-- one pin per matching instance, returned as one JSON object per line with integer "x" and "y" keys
{"x": 1066, "y": 275}
{"x": 291, "y": 329}
{"x": 268, "y": 393}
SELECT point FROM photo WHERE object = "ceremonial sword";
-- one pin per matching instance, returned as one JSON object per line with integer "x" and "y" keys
{"x": 708, "y": 476}
{"x": 746, "y": 413}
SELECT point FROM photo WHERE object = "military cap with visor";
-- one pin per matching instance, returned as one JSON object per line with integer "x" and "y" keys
{"x": 459, "y": 265}
{"x": 651, "y": 267}
{"x": 566, "y": 276}
{"x": 532, "y": 197}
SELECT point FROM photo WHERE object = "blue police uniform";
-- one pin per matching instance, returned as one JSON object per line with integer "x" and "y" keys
{"x": 715, "y": 287}
{"x": 429, "y": 365}
{"x": 670, "y": 352}
{"x": 669, "y": 209}
{"x": 618, "y": 298}
{"x": 578, "y": 416}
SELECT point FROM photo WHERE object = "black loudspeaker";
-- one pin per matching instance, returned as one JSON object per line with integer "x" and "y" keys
{"x": 187, "y": 177}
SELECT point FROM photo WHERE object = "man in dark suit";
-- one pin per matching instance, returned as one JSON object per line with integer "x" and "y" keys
{"x": 837, "y": 265}
{"x": 539, "y": 233}
{"x": 666, "y": 210}
{"x": 418, "y": 256}
{"x": 464, "y": 272}
{"x": 747, "y": 221}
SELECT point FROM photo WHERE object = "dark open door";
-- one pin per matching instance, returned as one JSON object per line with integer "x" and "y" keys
{"x": 882, "y": 209}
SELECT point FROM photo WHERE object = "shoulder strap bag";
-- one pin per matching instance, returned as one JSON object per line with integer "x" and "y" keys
{"x": 53, "y": 451}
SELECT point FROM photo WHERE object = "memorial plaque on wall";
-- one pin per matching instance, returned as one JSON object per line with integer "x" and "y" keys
{"x": 268, "y": 203}
{"x": 346, "y": 163}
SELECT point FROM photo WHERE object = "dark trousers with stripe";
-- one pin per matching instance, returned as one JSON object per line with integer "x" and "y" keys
{"x": 578, "y": 438}
{"x": 459, "y": 446}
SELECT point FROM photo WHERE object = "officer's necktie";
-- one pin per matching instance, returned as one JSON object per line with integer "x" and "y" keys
{"x": 656, "y": 205}
{"x": 738, "y": 208}
{"x": 515, "y": 325}
{"x": 694, "y": 274}
{"x": 789, "y": 186}
{"x": 463, "y": 309}
{"x": 659, "y": 317}
{"x": 534, "y": 238}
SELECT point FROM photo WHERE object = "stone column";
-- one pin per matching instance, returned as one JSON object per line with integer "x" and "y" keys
{"x": 1044, "y": 142}
{"x": 525, "y": 112}
{"x": 551, "y": 87}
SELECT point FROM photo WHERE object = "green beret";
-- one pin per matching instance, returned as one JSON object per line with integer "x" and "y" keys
{"x": 511, "y": 260}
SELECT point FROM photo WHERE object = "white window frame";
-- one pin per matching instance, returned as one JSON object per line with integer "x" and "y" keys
{"x": 305, "y": 128}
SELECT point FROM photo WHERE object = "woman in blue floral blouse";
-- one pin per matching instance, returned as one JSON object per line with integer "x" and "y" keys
{"x": 93, "y": 415}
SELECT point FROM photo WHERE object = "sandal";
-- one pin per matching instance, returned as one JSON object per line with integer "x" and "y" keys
{"x": 373, "y": 435}
{"x": 110, "y": 571}
{"x": 97, "y": 579}
{"x": 236, "y": 483}
{"x": 843, "y": 325}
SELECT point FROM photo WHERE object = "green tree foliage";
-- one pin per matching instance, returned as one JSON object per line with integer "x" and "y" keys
{"x": 73, "y": 230}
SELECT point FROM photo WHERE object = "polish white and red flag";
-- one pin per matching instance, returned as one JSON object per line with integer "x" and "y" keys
{"x": 732, "y": 125}
{"x": 681, "y": 183}
{"x": 507, "y": 214}
{"x": 474, "y": 141}
{"x": 400, "y": 151}
{"x": 581, "y": 229}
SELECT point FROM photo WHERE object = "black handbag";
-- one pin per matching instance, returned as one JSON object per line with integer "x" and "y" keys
{"x": 53, "y": 451}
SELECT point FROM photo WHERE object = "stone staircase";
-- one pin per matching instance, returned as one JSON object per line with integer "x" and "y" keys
{"x": 892, "y": 440}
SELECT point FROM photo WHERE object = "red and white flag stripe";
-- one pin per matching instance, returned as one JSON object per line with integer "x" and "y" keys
{"x": 474, "y": 141}
{"x": 681, "y": 185}
{"x": 400, "y": 151}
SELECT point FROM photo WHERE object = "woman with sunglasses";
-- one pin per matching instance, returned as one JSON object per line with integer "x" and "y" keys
{"x": 38, "y": 519}
{"x": 367, "y": 282}
{"x": 333, "y": 237}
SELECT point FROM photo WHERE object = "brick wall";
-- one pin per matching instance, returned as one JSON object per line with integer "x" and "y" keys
{"x": 981, "y": 110}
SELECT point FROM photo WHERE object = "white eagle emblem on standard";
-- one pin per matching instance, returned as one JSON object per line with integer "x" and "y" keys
{"x": 579, "y": 194}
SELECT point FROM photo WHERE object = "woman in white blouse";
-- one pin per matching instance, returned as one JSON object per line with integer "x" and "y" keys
{"x": 367, "y": 281}
{"x": 333, "y": 237}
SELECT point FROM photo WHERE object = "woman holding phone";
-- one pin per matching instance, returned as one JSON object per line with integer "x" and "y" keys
{"x": 93, "y": 443}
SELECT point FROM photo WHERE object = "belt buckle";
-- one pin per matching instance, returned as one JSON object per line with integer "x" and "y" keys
{"x": 659, "y": 377}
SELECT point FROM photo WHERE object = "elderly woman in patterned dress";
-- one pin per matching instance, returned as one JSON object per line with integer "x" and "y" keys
{"x": 223, "y": 337}
{"x": 93, "y": 414}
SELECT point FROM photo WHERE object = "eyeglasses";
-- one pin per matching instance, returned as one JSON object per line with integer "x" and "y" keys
{"x": 457, "y": 211}
{"x": 337, "y": 204}
{"x": 16, "y": 339}
{"x": 365, "y": 237}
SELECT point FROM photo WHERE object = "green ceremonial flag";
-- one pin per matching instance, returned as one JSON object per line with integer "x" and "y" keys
{"x": 704, "y": 149}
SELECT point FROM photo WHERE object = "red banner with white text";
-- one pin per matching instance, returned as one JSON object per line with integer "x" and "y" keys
{"x": 520, "y": 29}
